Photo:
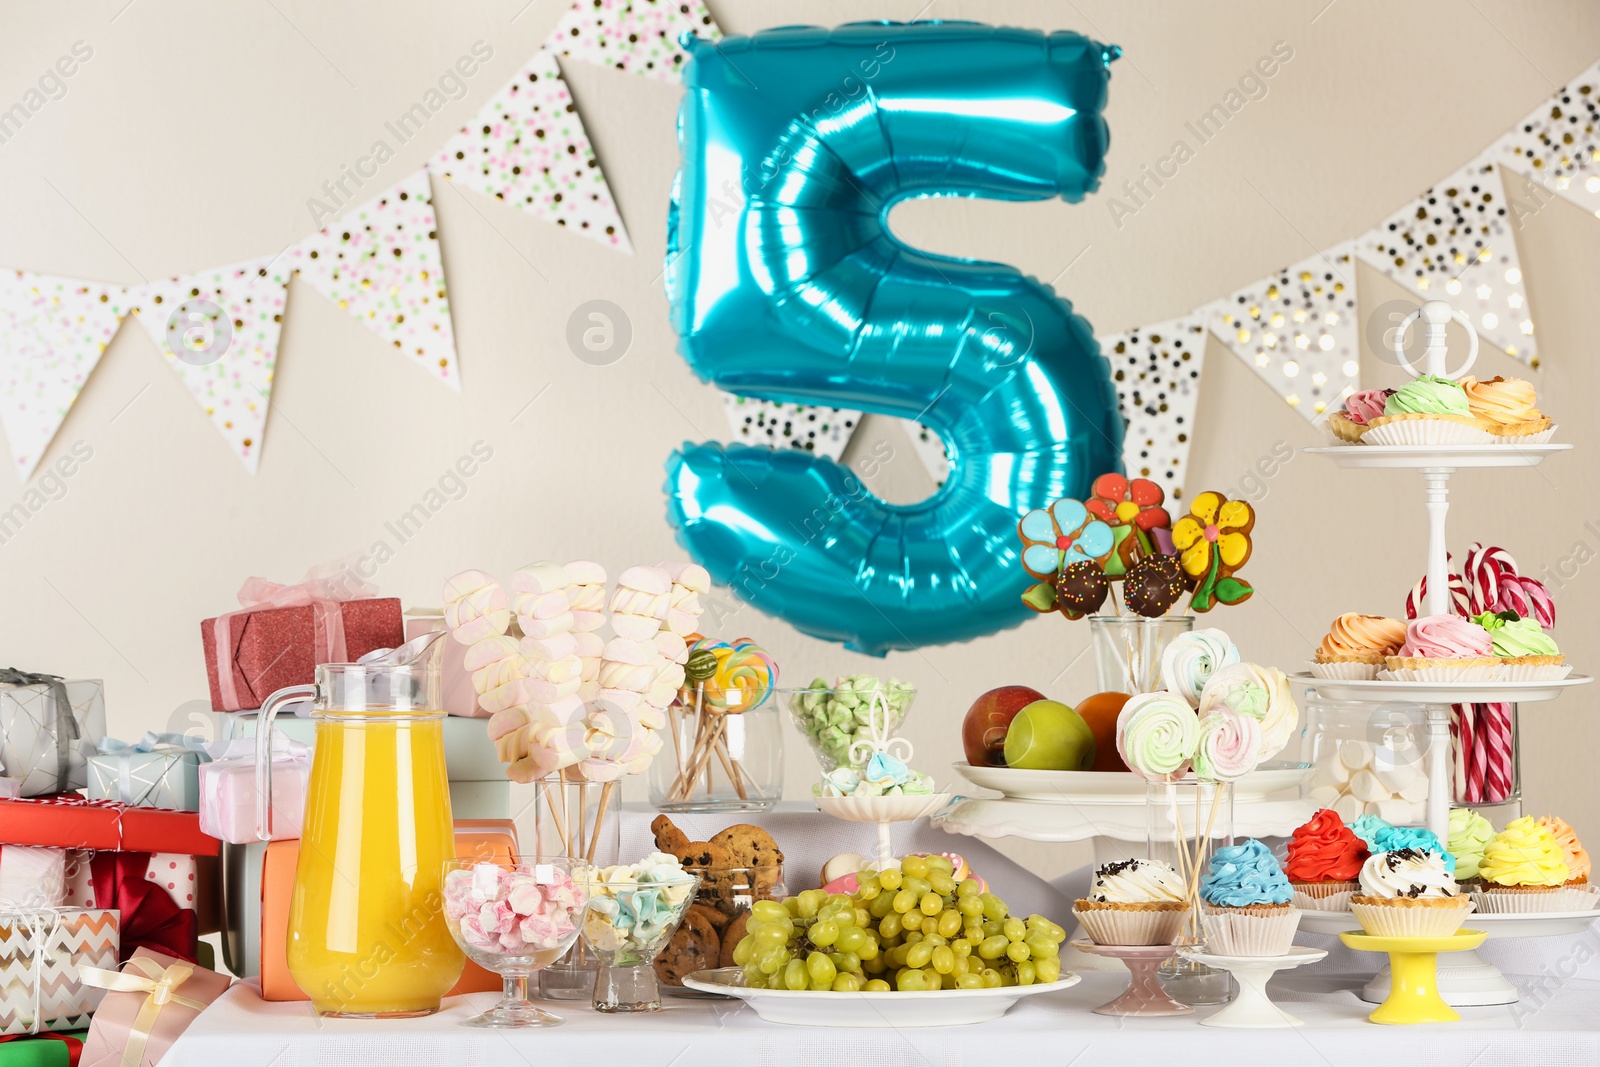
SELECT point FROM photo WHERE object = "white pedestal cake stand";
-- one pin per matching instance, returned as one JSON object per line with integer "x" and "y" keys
{"x": 1465, "y": 978}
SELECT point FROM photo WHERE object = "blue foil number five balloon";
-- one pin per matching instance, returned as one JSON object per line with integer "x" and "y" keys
{"x": 786, "y": 284}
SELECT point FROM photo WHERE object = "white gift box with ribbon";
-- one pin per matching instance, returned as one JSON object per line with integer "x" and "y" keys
{"x": 157, "y": 771}
{"x": 230, "y": 800}
{"x": 42, "y": 953}
{"x": 49, "y": 727}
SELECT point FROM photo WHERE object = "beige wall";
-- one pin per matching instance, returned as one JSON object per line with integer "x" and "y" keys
{"x": 197, "y": 132}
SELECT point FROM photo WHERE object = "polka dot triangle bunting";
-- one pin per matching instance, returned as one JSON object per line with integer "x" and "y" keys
{"x": 219, "y": 330}
{"x": 638, "y": 36}
{"x": 1556, "y": 149}
{"x": 380, "y": 262}
{"x": 822, "y": 431}
{"x": 1297, "y": 330}
{"x": 52, "y": 332}
{"x": 1157, "y": 370}
{"x": 1455, "y": 243}
{"x": 527, "y": 146}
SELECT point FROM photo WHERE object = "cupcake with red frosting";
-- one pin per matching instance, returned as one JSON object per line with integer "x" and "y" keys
{"x": 1356, "y": 645}
{"x": 1442, "y": 648}
{"x": 1324, "y": 863}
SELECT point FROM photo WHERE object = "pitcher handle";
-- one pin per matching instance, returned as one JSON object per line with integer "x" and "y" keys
{"x": 269, "y": 711}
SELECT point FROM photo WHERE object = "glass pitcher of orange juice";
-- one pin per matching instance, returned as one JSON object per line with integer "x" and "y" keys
{"x": 367, "y": 934}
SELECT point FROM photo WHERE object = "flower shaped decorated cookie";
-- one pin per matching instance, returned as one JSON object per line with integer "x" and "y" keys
{"x": 1213, "y": 541}
{"x": 1140, "y": 525}
{"x": 1063, "y": 534}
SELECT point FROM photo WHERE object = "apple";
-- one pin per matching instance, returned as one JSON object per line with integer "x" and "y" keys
{"x": 983, "y": 731}
{"x": 1049, "y": 736}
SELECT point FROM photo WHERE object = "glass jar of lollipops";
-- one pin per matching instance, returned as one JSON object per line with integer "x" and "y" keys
{"x": 723, "y": 752}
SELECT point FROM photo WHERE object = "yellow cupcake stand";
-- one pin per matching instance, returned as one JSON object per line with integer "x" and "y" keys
{"x": 1413, "y": 961}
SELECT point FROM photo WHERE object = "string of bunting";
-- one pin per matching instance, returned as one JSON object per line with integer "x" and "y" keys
{"x": 380, "y": 261}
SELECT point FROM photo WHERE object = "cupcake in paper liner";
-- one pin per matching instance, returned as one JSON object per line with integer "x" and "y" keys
{"x": 1134, "y": 902}
{"x": 1355, "y": 646}
{"x": 1409, "y": 892}
{"x": 1245, "y": 903}
{"x": 1525, "y": 651}
{"x": 1507, "y": 405}
{"x": 1470, "y": 834}
{"x": 1524, "y": 870}
{"x": 1440, "y": 648}
{"x": 1360, "y": 408}
{"x": 1572, "y": 850}
{"x": 1324, "y": 862}
{"x": 1428, "y": 410}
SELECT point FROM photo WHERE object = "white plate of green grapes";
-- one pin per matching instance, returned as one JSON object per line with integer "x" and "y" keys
{"x": 910, "y": 947}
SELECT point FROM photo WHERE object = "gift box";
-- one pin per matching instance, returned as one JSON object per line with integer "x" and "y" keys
{"x": 230, "y": 803}
{"x": 469, "y": 755}
{"x": 32, "y": 877}
{"x": 484, "y": 839}
{"x": 147, "y": 1007}
{"x": 42, "y": 1050}
{"x": 154, "y": 893}
{"x": 156, "y": 771}
{"x": 72, "y": 821}
{"x": 457, "y": 696}
{"x": 284, "y": 632}
{"x": 43, "y": 953}
{"x": 48, "y": 729}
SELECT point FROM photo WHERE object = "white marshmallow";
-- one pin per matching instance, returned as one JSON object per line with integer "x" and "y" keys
{"x": 564, "y": 712}
{"x": 585, "y": 572}
{"x": 465, "y": 584}
{"x": 1355, "y": 754}
{"x": 671, "y": 646}
{"x": 1395, "y": 810}
{"x": 1365, "y": 787}
{"x": 1331, "y": 773}
{"x": 541, "y": 605}
{"x": 645, "y": 580}
{"x": 682, "y": 622}
{"x": 568, "y": 668}
{"x": 489, "y": 650}
{"x": 587, "y": 621}
{"x": 543, "y": 691}
{"x": 560, "y": 646}
{"x": 540, "y": 628}
{"x": 1323, "y": 796}
{"x": 1415, "y": 790}
{"x": 541, "y": 577}
{"x": 1396, "y": 777}
{"x": 1348, "y": 808}
{"x": 625, "y": 650}
{"x": 635, "y": 627}
{"x": 621, "y": 699}
{"x": 690, "y": 575}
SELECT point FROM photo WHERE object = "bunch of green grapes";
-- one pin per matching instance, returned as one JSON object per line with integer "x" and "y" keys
{"x": 911, "y": 929}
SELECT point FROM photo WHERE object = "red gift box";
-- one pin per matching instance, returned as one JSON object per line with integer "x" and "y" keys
{"x": 268, "y": 648}
{"x": 70, "y": 821}
{"x": 154, "y": 893}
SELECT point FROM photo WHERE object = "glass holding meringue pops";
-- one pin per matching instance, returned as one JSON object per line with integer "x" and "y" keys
{"x": 724, "y": 752}
{"x": 514, "y": 919}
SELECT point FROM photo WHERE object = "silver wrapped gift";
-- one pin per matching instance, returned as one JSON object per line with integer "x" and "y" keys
{"x": 157, "y": 771}
{"x": 49, "y": 727}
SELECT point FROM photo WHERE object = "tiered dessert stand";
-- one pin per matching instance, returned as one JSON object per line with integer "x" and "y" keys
{"x": 1467, "y": 978}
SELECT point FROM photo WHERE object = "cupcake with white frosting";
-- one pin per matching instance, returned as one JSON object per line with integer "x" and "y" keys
{"x": 1134, "y": 902}
{"x": 1409, "y": 892}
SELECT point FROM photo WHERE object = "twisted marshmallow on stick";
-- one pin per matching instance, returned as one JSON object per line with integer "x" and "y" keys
{"x": 555, "y": 710}
{"x": 477, "y": 613}
{"x": 586, "y": 593}
{"x": 622, "y": 728}
{"x": 689, "y": 580}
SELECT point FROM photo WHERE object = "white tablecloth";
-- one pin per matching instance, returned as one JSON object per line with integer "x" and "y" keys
{"x": 1557, "y": 1025}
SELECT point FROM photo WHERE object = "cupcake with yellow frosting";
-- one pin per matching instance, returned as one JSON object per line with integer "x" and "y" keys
{"x": 1507, "y": 405}
{"x": 1355, "y": 646}
{"x": 1578, "y": 866}
{"x": 1428, "y": 410}
{"x": 1524, "y": 869}
{"x": 1470, "y": 834}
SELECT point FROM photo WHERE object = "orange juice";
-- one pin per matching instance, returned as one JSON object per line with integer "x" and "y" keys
{"x": 366, "y": 926}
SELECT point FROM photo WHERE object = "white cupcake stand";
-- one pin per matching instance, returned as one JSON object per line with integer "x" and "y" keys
{"x": 1466, "y": 979}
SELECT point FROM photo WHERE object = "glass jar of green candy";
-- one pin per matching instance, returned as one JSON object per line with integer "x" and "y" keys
{"x": 834, "y": 717}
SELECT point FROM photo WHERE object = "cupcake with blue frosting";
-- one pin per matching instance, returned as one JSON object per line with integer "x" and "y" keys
{"x": 1245, "y": 903}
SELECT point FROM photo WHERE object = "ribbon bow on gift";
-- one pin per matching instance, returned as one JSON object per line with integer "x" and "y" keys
{"x": 325, "y": 587}
{"x": 42, "y": 923}
{"x": 168, "y": 744}
{"x": 160, "y": 983}
{"x": 66, "y": 726}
